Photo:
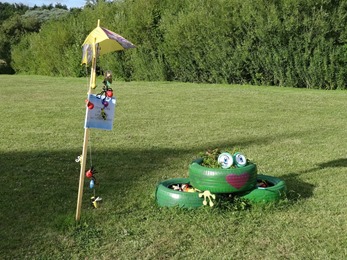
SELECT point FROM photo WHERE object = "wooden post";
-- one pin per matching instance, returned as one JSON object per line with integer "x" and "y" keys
{"x": 86, "y": 135}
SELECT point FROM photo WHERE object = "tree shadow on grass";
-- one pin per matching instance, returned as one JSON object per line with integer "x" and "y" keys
{"x": 338, "y": 163}
{"x": 298, "y": 189}
{"x": 39, "y": 187}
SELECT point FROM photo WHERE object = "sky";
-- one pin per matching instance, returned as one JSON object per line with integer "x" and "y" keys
{"x": 68, "y": 3}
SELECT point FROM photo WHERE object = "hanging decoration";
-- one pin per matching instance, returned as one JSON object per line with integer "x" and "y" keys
{"x": 90, "y": 174}
{"x": 106, "y": 94}
{"x": 100, "y": 108}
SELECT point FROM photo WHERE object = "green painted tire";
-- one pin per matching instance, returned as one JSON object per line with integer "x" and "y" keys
{"x": 166, "y": 197}
{"x": 270, "y": 194}
{"x": 218, "y": 180}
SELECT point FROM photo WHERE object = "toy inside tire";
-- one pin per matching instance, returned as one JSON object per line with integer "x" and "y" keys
{"x": 217, "y": 180}
{"x": 167, "y": 197}
{"x": 273, "y": 193}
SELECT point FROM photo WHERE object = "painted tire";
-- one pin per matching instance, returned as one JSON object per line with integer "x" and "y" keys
{"x": 167, "y": 197}
{"x": 218, "y": 180}
{"x": 264, "y": 195}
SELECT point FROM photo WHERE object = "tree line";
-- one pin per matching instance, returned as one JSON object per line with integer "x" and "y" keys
{"x": 290, "y": 43}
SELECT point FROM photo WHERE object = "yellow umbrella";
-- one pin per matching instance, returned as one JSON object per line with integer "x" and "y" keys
{"x": 98, "y": 42}
{"x": 106, "y": 41}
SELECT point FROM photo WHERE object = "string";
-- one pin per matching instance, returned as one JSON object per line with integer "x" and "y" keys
{"x": 90, "y": 150}
{"x": 89, "y": 139}
{"x": 87, "y": 77}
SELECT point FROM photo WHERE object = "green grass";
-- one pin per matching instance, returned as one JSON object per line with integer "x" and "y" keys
{"x": 298, "y": 135}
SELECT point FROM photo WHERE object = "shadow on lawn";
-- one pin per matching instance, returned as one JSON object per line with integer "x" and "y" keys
{"x": 299, "y": 189}
{"x": 42, "y": 186}
{"x": 342, "y": 162}
{"x": 338, "y": 163}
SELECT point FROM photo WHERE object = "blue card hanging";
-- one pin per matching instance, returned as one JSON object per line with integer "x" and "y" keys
{"x": 100, "y": 112}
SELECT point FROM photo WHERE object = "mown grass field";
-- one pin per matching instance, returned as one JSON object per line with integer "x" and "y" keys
{"x": 298, "y": 135}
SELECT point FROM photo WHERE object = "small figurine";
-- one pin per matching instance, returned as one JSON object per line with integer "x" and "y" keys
{"x": 107, "y": 78}
{"x": 95, "y": 201}
{"x": 207, "y": 196}
{"x": 103, "y": 114}
{"x": 90, "y": 105}
{"x": 90, "y": 173}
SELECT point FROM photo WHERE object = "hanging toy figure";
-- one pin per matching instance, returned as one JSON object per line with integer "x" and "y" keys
{"x": 106, "y": 94}
{"x": 90, "y": 105}
{"x": 95, "y": 201}
{"x": 90, "y": 173}
{"x": 107, "y": 91}
{"x": 103, "y": 114}
{"x": 107, "y": 78}
{"x": 92, "y": 183}
{"x": 104, "y": 102}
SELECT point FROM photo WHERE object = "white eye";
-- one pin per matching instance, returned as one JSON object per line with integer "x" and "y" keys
{"x": 225, "y": 160}
{"x": 240, "y": 160}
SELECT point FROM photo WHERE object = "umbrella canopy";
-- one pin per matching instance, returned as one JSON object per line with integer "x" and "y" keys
{"x": 106, "y": 41}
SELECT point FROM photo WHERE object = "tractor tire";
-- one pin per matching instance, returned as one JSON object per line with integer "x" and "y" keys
{"x": 167, "y": 197}
{"x": 269, "y": 194}
{"x": 217, "y": 180}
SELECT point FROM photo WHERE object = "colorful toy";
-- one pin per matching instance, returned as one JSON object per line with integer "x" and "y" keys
{"x": 90, "y": 173}
{"x": 95, "y": 201}
{"x": 103, "y": 113}
{"x": 207, "y": 195}
{"x": 184, "y": 187}
{"x": 90, "y": 105}
{"x": 92, "y": 184}
{"x": 106, "y": 94}
{"x": 109, "y": 93}
{"x": 105, "y": 103}
{"x": 79, "y": 159}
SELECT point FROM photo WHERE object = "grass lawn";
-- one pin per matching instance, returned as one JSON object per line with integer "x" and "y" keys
{"x": 298, "y": 135}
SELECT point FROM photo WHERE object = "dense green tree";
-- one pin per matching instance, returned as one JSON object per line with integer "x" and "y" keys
{"x": 19, "y": 20}
{"x": 7, "y": 10}
{"x": 272, "y": 42}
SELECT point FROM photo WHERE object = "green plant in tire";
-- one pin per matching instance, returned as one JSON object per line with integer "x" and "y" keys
{"x": 210, "y": 158}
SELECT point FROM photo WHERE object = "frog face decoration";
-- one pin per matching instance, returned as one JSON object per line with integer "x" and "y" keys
{"x": 226, "y": 160}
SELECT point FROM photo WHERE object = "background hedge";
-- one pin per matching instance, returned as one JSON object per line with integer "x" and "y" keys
{"x": 291, "y": 43}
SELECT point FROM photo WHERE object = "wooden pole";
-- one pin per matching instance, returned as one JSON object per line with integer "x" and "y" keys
{"x": 86, "y": 135}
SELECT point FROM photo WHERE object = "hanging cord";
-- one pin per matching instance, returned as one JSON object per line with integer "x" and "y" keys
{"x": 89, "y": 139}
{"x": 90, "y": 151}
{"x": 87, "y": 77}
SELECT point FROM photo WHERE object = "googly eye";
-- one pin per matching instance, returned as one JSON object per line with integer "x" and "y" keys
{"x": 240, "y": 160}
{"x": 225, "y": 160}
